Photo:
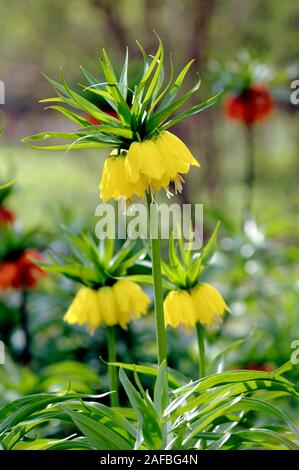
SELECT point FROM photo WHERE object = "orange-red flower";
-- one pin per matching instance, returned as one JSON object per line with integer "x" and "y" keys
{"x": 21, "y": 273}
{"x": 8, "y": 274}
{"x": 95, "y": 122}
{"x": 260, "y": 367}
{"x": 6, "y": 216}
{"x": 252, "y": 105}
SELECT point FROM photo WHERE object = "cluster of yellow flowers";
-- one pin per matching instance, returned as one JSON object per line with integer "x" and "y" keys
{"x": 202, "y": 304}
{"x": 111, "y": 305}
{"x": 152, "y": 164}
{"x": 125, "y": 301}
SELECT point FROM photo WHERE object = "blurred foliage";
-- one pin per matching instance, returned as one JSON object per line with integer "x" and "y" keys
{"x": 256, "y": 266}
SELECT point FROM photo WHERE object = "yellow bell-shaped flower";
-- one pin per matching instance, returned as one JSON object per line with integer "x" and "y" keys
{"x": 132, "y": 302}
{"x": 111, "y": 305}
{"x": 85, "y": 309}
{"x": 151, "y": 164}
{"x": 114, "y": 183}
{"x": 203, "y": 304}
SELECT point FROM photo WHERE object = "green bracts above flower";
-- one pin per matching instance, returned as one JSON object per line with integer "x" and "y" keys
{"x": 106, "y": 295}
{"x": 186, "y": 265}
{"x": 150, "y": 109}
{"x": 95, "y": 264}
{"x": 190, "y": 300}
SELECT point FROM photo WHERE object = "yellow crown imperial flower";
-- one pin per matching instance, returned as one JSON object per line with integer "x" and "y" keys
{"x": 114, "y": 183}
{"x": 110, "y": 305}
{"x": 132, "y": 121}
{"x": 151, "y": 164}
{"x": 203, "y": 304}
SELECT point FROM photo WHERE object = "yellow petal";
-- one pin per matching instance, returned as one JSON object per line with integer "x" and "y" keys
{"x": 179, "y": 309}
{"x": 188, "y": 309}
{"x": 172, "y": 310}
{"x": 122, "y": 296}
{"x": 203, "y": 312}
{"x": 108, "y": 305}
{"x": 131, "y": 301}
{"x": 164, "y": 182}
{"x": 171, "y": 162}
{"x": 85, "y": 309}
{"x": 178, "y": 148}
{"x": 209, "y": 303}
{"x": 133, "y": 162}
{"x": 151, "y": 161}
{"x": 114, "y": 183}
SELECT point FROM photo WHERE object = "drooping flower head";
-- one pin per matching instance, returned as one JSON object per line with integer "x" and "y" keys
{"x": 252, "y": 105}
{"x": 21, "y": 273}
{"x": 106, "y": 296}
{"x": 189, "y": 300}
{"x": 6, "y": 216}
{"x": 20, "y": 253}
{"x": 113, "y": 305}
{"x": 144, "y": 155}
{"x": 249, "y": 99}
{"x": 202, "y": 303}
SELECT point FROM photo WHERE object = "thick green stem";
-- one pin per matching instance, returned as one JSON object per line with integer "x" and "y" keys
{"x": 112, "y": 370}
{"x": 157, "y": 280}
{"x": 250, "y": 174}
{"x": 201, "y": 350}
{"x": 26, "y": 353}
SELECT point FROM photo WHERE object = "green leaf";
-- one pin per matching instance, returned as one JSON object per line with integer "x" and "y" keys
{"x": 161, "y": 116}
{"x": 122, "y": 106}
{"x": 174, "y": 377}
{"x": 7, "y": 185}
{"x": 69, "y": 114}
{"x": 192, "y": 111}
{"x": 216, "y": 365}
{"x": 161, "y": 389}
{"x": 100, "y": 436}
{"x": 155, "y": 83}
{"x": 238, "y": 376}
{"x": 165, "y": 90}
{"x": 150, "y": 428}
{"x": 208, "y": 418}
{"x": 124, "y": 132}
{"x": 20, "y": 409}
{"x": 62, "y": 135}
{"x": 89, "y": 107}
{"x": 176, "y": 86}
{"x": 252, "y": 403}
{"x": 208, "y": 250}
{"x": 264, "y": 436}
{"x": 148, "y": 69}
{"x": 123, "y": 81}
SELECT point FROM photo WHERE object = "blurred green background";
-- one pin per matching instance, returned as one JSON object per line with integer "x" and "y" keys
{"x": 256, "y": 266}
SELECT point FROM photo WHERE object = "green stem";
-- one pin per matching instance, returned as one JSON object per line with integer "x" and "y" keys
{"x": 201, "y": 350}
{"x": 157, "y": 281}
{"x": 250, "y": 173}
{"x": 112, "y": 370}
{"x": 26, "y": 353}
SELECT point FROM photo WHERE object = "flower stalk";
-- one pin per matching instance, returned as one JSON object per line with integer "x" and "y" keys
{"x": 250, "y": 171}
{"x": 201, "y": 350}
{"x": 154, "y": 233}
{"x": 112, "y": 370}
{"x": 26, "y": 353}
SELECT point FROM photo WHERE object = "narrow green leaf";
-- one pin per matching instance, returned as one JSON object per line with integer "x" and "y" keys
{"x": 192, "y": 111}
{"x": 100, "y": 436}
